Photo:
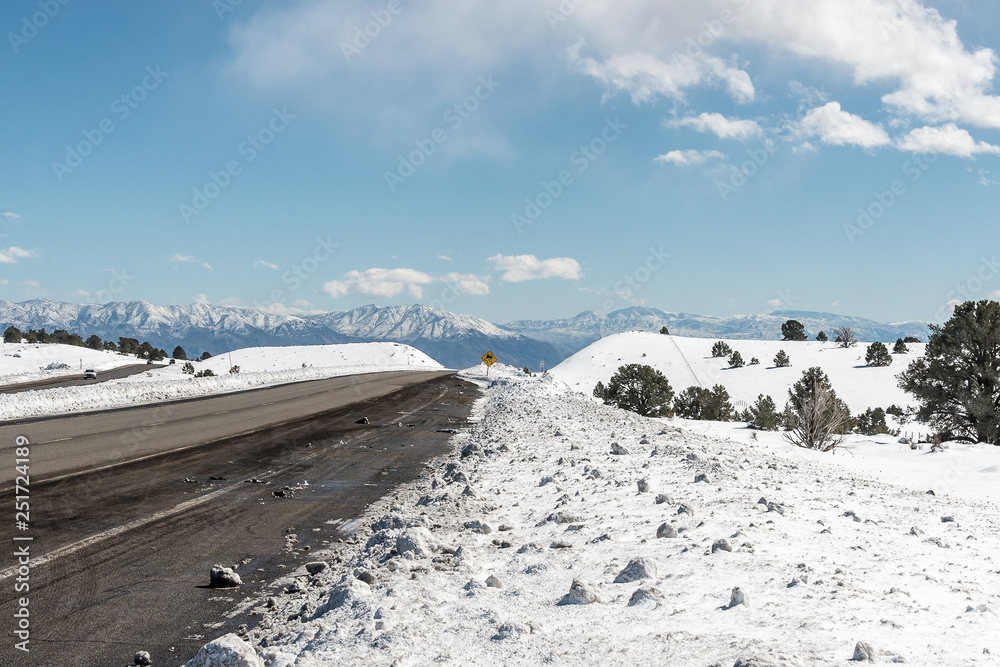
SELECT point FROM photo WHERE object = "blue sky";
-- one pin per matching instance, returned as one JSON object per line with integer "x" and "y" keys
{"x": 515, "y": 160}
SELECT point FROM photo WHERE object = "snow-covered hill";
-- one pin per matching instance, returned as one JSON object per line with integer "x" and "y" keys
{"x": 23, "y": 362}
{"x": 574, "y": 333}
{"x": 258, "y": 367}
{"x": 688, "y": 361}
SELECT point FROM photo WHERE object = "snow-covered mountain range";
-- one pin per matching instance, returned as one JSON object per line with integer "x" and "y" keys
{"x": 457, "y": 341}
{"x": 575, "y": 333}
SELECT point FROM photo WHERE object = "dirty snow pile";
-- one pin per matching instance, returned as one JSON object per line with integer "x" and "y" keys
{"x": 567, "y": 532}
{"x": 259, "y": 367}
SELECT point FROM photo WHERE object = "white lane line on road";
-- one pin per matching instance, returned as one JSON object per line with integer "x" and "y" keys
{"x": 107, "y": 534}
{"x": 56, "y": 440}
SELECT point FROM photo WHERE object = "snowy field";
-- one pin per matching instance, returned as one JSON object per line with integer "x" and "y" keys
{"x": 259, "y": 367}
{"x": 24, "y": 362}
{"x": 567, "y": 532}
{"x": 689, "y": 361}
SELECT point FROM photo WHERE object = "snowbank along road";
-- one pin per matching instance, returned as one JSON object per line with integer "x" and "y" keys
{"x": 121, "y": 555}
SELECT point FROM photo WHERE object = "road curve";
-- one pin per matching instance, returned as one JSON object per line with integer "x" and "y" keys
{"x": 67, "y": 445}
{"x": 76, "y": 379}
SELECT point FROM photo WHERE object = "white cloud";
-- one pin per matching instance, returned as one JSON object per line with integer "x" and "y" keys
{"x": 188, "y": 259}
{"x": 722, "y": 127}
{"x": 837, "y": 127}
{"x": 261, "y": 264}
{"x": 466, "y": 284}
{"x": 200, "y": 298}
{"x": 689, "y": 157}
{"x": 31, "y": 283}
{"x": 13, "y": 254}
{"x": 648, "y": 49}
{"x": 518, "y": 268}
{"x": 388, "y": 283}
{"x": 645, "y": 77}
{"x": 80, "y": 293}
{"x": 443, "y": 258}
{"x": 948, "y": 139}
{"x": 775, "y": 303}
{"x": 384, "y": 283}
{"x": 9, "y": 216}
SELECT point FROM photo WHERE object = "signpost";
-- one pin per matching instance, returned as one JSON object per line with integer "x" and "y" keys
{"x": 489, "y": 359}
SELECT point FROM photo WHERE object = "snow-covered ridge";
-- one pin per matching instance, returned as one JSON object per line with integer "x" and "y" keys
{"x": 456, "y": 340}
{"x": 688, "y": 361}
{"x": 574, "y": 533}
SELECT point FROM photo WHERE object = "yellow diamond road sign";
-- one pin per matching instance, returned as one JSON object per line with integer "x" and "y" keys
{"x": 489, "y": 359}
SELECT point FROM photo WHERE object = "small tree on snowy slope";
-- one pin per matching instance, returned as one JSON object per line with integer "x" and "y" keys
{"x": 721, "y": 349}
{"x": 878, "y": 355}
{"x": 822, "y": 337}
{"x": 900, "y": 347}
{"x": 639, "y": 388}
{"x": 736, "y": 360}
{"x": 845, "y": 336}
{"x": 781, "y": 359}
{"x": 793, "y": 330}
{"x": 814, "y": 416}
{"x": 764, "y": 414}
{"x": 664, "y": 331}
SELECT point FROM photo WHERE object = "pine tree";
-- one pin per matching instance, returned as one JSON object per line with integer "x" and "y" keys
{"x": 664, "y": 331}
{"x": 900, "y": 347}
{"x": 957, "y": 381}
{"x": 94, "y": 342}
{"x": 781, "y": 359}
{"x": 706, "y": 404}
{"x": 822, "y": 337}
{"x": 12, "y": 335}
{"x": 736, "y": 360}
{"x": 815, "y": 417}
{"x": 764, "y": 415}
{"x": 721, "y": 349}
{"x": 179, "y": 353}
{"x": 639, "y": 388}
{"x": 793, "y": 330}
{"x": 878, "y": 355}
{"x": 872, "y": 422}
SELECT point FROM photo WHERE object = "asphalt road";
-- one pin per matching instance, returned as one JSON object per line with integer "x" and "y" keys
{"x": 121, "y": 555}
{"x": 77, "y": 378}
{"x": 66, "y": 445}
